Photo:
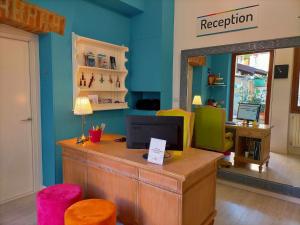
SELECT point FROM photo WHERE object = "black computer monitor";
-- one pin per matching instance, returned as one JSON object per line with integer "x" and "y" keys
{"x": 249, "y": 112}
{"x": 140, "y": 129}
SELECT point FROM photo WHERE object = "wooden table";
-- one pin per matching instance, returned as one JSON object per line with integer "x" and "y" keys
{"x": 181, "y": 192}
{"x": 262, "y": 133}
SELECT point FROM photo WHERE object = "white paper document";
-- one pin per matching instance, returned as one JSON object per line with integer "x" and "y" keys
{"x": 157, "y": 151}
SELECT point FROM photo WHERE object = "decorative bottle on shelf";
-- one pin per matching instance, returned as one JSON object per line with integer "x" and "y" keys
{"x": 211, "y": 78}
{"x": 218, "y": 80}
{"x": 102, "y": 61}
{"x": 90, "y": 59}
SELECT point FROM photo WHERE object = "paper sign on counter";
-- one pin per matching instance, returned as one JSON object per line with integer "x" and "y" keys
{"x": 157, "y": 151}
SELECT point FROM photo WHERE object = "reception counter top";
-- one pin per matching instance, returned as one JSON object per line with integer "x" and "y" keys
{"x": 180, "y": 192}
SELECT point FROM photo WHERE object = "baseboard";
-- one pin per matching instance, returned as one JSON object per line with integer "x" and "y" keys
{"x": 260, "y": 191}
{"x": 16, "y": 197}
{"x": 294, "y": 151}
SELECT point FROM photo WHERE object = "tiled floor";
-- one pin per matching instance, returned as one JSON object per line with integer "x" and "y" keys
{"x": 283, "y": 169}
{"x": 234, "y": 206}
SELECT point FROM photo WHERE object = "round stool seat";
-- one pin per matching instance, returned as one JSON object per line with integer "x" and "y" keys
{"x": 91, "y": 212}
{"x": 53, "y": 201}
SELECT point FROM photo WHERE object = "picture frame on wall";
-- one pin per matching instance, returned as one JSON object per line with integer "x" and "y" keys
{"x": 281, "y": 71}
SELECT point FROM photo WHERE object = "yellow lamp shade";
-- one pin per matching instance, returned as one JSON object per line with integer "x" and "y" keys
{"x": 83, "y": 106}
{"x": 197, "y": 100}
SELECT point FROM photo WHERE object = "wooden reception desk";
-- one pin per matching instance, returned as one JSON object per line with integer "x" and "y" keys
{"x": 181, "y": 192}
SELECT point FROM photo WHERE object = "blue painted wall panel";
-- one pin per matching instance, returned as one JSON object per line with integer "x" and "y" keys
{"x": 221, "y": 64}
{"x": 146, "y": 70}
{"x": 57, "y": 54}
{"x": 47, "y": 110}
{"x": 152, "y": 38}
{"x": 205, "y": 92}
{"x": 145, "y": 45}
{"x": 87, "y": 19}
{"x": 197, "y": 81}
{"x": 149, "y": 23}
{"x": 128, "y": 8}
{"x": 167, "y": 53}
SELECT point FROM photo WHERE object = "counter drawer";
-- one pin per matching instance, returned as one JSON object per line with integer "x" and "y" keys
{"x": 159, "y": 180}
{"x": 74, "y": 154}
{"x": 112, "y": 166}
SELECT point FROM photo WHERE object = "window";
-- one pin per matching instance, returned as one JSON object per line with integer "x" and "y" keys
{"x": 251, "y": 82}
{"x": 295, "y": 99}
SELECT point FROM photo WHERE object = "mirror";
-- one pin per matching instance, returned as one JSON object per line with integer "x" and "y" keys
{"x": 256, "y": 73}
{"x": 227, "y": 79}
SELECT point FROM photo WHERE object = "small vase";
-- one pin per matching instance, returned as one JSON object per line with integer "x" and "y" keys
{"x": 211, "y": 79}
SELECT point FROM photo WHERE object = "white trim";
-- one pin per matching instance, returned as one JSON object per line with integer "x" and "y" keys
{"x": 16, "y": 197}
{"x": 293, "y": 150}
{"x": 91, "y": 41}
{"x": 33, "y": 41}
{"x": 260, "y": 191}
{"x": 22, "y": 195}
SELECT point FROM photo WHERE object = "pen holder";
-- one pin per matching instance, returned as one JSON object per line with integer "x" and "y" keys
{"x": 95, "y": 135}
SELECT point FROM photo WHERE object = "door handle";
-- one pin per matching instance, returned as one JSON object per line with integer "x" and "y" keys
{"x": 27, "y": 120}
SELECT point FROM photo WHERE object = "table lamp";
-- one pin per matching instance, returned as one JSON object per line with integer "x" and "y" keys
{"x": 82, "y": 107}
{"x": 197, "y": 100}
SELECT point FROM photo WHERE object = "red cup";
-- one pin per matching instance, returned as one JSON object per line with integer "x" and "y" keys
{"x": 95, "y": 135}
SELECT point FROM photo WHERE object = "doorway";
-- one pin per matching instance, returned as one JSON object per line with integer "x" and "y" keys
{"x": 20, "y": 167}
{"x": 251, "y": 78}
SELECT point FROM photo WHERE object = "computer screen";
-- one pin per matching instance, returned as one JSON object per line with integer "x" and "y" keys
{"x": 140, "y": 129}
{"x": 248, "y": 112}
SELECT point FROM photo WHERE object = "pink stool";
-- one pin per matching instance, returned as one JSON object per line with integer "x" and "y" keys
{"x": 54, "y": 200}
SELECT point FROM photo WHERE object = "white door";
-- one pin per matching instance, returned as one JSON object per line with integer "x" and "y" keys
{"x": 16, "y": 152}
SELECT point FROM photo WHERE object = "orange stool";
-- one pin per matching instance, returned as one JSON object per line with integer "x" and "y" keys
{"x": 91, "y": 212}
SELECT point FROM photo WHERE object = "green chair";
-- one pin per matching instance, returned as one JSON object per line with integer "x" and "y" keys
{"x": 209, "y": 130}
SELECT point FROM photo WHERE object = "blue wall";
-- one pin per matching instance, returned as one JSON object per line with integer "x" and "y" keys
{"x": 200, "y": 79}
{"x": 197, "y": 82}
{"x": 221, "y": 64}
{"x": 90, "y": 20}
{"x": 126, "y": 7}
{"x": 152, "y": 50}
{"x": 218, "y": 64}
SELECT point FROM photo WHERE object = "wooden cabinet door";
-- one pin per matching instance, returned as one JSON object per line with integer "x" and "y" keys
{"x": 75, "y": 172}
{"x": 120, "y": 189}
{"x": 199, "y": 202}
{"x": 158, "y": 206}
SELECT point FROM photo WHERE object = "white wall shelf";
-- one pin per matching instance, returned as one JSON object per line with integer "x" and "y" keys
{"x": 101, "y": 44}
{"x": 103, "y": 90}
{"x": 108, "y": 82}
{"x": 97, "y": 69}
{"x": 109, "y": 106}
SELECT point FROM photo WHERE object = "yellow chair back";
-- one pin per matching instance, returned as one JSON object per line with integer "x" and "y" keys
{"x": 188, "y": 127}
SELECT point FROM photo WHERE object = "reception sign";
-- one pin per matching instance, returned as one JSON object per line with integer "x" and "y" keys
{"x": 29, "y": 17}
{"x": 228, "y": 21}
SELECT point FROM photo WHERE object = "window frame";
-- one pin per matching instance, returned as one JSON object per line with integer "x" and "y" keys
{"x": 295, "y": 82}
